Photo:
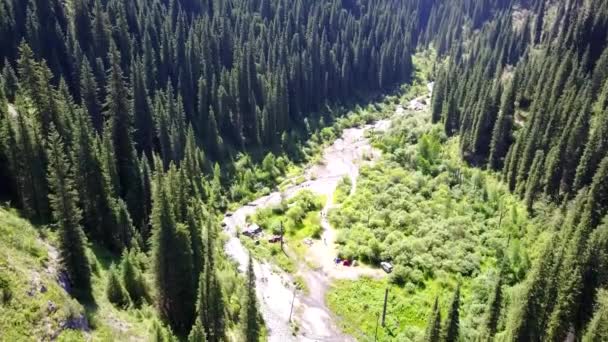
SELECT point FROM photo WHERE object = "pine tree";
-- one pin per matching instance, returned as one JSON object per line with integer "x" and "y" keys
{"x": 502, "y": 128}
{"x": 108, "y": 160}
{"x": 197, "y": 334}
{"x": 89, "y": 93}
{"x": 172, "y": 267}
{"x": 452, "y": 326}
{"x": 146, "y": 199}
{"x": 194, "y": 223}
{"x": 433, "y": 326}
{"x": 115, "y": 292}
{"x": 11, "y": 83}
{"x": 82, "y": 24}
{"x": 63, "y": 199}
{"x": 90, "y": 180}
{"x": 7, "y": 148}
{"x": 597, "y": 329}
{"x": 122, "y": 232}
{"x": 493, "y": 310}
{"x": 439, "y": 96}
{"x": 249, "y": 312}
{"x": 29, "y": 165}
{"x": 132, "y": 278}
{"x": 144, "y": 134}
{"x": 597, "y": 143}
{"x": 210, "y": 303}
{"x": 118, "y": 111}
{"x": 101, "y": 33}
{"x": 534, "y": 182}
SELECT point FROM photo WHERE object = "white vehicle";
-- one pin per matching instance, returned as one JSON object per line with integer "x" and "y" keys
{"x": 386, "y": 266}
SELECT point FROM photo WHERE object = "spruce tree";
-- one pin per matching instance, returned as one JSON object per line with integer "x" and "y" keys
{"x": 452, "y": 323}
{"x": 144, "y": 122}
{"x": 89, "y": 93}
{"x": 90, "y": 180}
{"x": 493, "y": 310}
{"x": 115, "y": 292}
{"x": 11, "y": 83}
{"x": 172, "y": 266}
{"x": 249, "y": 312}
{"x": 534, "y": 181}
{"x": 433, "y": 326}
{"x": 118, "y": 111}
{"x": 64, "y": 204}
{"x": 210, "y": 303}
{"x": 197, "y": 334}
{"x": 132, "y": 278}
{"x": 502, "y": 128}
{"x": 597, "y": 329}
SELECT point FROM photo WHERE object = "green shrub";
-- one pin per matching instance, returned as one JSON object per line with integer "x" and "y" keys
{"x": 6, "y": 292}
{"x": 343, "y": 189}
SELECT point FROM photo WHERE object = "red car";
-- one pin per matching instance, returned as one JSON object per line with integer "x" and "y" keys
{"x": 347, "y": 263}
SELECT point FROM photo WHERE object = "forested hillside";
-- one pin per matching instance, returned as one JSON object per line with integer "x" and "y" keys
{"x": 130, "y": 126}
{"x": 528, "y": 98}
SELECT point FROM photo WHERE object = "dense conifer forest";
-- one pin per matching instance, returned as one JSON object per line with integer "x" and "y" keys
{"x": 528, "y": 99}
{"x": 131, "y": 126}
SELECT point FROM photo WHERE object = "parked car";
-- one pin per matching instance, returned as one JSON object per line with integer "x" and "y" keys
{"x": 386, "y": 266}
{"x": 252, "y": 230}
{"x": 228, "y": 214}
{"x": 347, "y": 263}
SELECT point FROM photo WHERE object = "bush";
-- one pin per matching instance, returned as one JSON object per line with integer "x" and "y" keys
{"x": 5, "y": 290}
{"x": 296, "y": 214}
{"x": 399, "y": 276}
{"x": 343, "y": 189}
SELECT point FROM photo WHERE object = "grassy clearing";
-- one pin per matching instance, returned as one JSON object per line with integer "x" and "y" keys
{"x": 32, "y": 304}
{"x": 359, "y": 304}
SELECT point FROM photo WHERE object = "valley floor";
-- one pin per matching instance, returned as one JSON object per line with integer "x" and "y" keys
{"x": 315, "y": 266}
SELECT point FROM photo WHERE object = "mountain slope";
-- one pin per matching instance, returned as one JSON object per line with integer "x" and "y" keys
{"x": 33, "y": 305}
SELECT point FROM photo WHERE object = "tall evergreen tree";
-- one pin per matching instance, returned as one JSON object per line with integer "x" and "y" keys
{"x": 64, "y": 204}
{"x": 197, "y": 334}
{"x": 90, "y": 179}
{"x": 172, "y": 267}
{"x": 132, "y": 278}
{"x": 433, "y": 326}
{"x": 452, "y": 324}
{"x": 115, "y": 291}
{"x": 89, "y": 93}
{"x": 493, "y": 311}
{"x": 249, "y": 312}
{"x": 502, "y": 128}
{"x": 533, "y": 184}
{"x": 118, "y": 111}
